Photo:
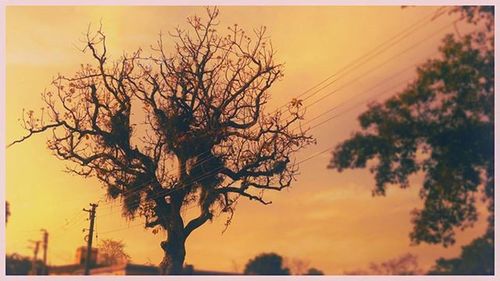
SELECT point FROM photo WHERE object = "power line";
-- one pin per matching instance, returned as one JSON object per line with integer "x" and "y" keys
{"x": 132, "y": 226}
{"x": 369, "y": 55}
{"x": 385, "y": 91}
{"x": 77, "y": 219}
{"x": 124, "y": 228}
{"x": 298, "y": 163}
{"x": 131, "y": 192}
{"x": 380, "y": 93}
{"x": 215, "y": 171}
{"x": 369, "y": 71}
{"x": 166, "y": 192}
{"x": 383, "y": 63}
{"x": 398, "y": 37}
{"x": 169, "y": 191}
{"x": 379, "y": 49}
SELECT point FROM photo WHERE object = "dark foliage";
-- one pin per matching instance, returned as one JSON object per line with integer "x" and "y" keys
{"x": 441, "y": 125}
{"x": 477, "y": 258}
{"x": 16, "y": 264}
{"x": 266, "y": 264}
{"x": 314, "y": 271}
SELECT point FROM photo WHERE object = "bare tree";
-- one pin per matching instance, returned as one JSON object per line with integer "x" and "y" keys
{"x": 205, "y": 139}
{"x": 406, "y": 264}
{"x": 112, "y": 252}
{"x": 297, "y": 266}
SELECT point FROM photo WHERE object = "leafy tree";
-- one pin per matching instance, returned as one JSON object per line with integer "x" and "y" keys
{"x": 16, "y": 264}
{"x": 477, "y": 258}
{"x": 441, "y": 125}
{"x": 314, "y": 271}
{"x": 203, "y": 105}
{"x": 266, "y": 264}
{"x": 112, "y": 252}
{"x": 298, "y": 266}
{"x": 406, "y": 264}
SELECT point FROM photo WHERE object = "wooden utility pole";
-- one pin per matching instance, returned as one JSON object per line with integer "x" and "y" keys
{"x": 44, "y": 246}
{"x": 35, "y": 255}
{"x": 91, "y": 234}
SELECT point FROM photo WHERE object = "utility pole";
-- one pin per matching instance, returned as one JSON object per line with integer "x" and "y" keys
{"x": 91, "y": 234}
{"x": 44, "y": 245}
{"x": 35, "y": 251}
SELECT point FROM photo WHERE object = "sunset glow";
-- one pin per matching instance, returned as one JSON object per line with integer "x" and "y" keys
{"x": 326, "y": 218}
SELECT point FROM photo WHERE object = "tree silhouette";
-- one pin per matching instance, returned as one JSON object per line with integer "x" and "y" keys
{"x": 266, "y": 264}
{"x": 477, "y": 258}
{"x": 298, "y": 266}
{"x": 314, "y": 271}
{"x": 205, "y": 140}
{"x": 441, "y": 125}
{"x": 406, "y": 264}
{"x": 112, "y": 252}
{"x": 16, "y": 264}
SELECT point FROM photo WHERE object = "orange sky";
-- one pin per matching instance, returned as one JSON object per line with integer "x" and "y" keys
{"x": 327, "y": 218}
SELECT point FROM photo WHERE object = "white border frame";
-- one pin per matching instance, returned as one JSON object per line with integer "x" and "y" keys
{"x": 4, "y": 3}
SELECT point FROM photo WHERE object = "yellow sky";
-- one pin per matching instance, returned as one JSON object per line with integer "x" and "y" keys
{"x": 327, "y": 218}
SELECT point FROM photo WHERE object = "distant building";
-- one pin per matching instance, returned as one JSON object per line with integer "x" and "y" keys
{"x": 81, "y": 256}
{"x": 119, "y": 269}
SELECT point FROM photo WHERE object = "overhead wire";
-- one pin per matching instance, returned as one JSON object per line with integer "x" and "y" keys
{"x": 382, "y": 82}
{"x": 403, "y": 33}
{"x": 209, "y": 173}
{"x": 309, "y": 96}
{"x": 359, "y": 61}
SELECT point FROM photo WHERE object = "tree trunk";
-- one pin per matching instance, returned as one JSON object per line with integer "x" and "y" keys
{"x": 174, "y": 254}
{"x": 174, "y": 247}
